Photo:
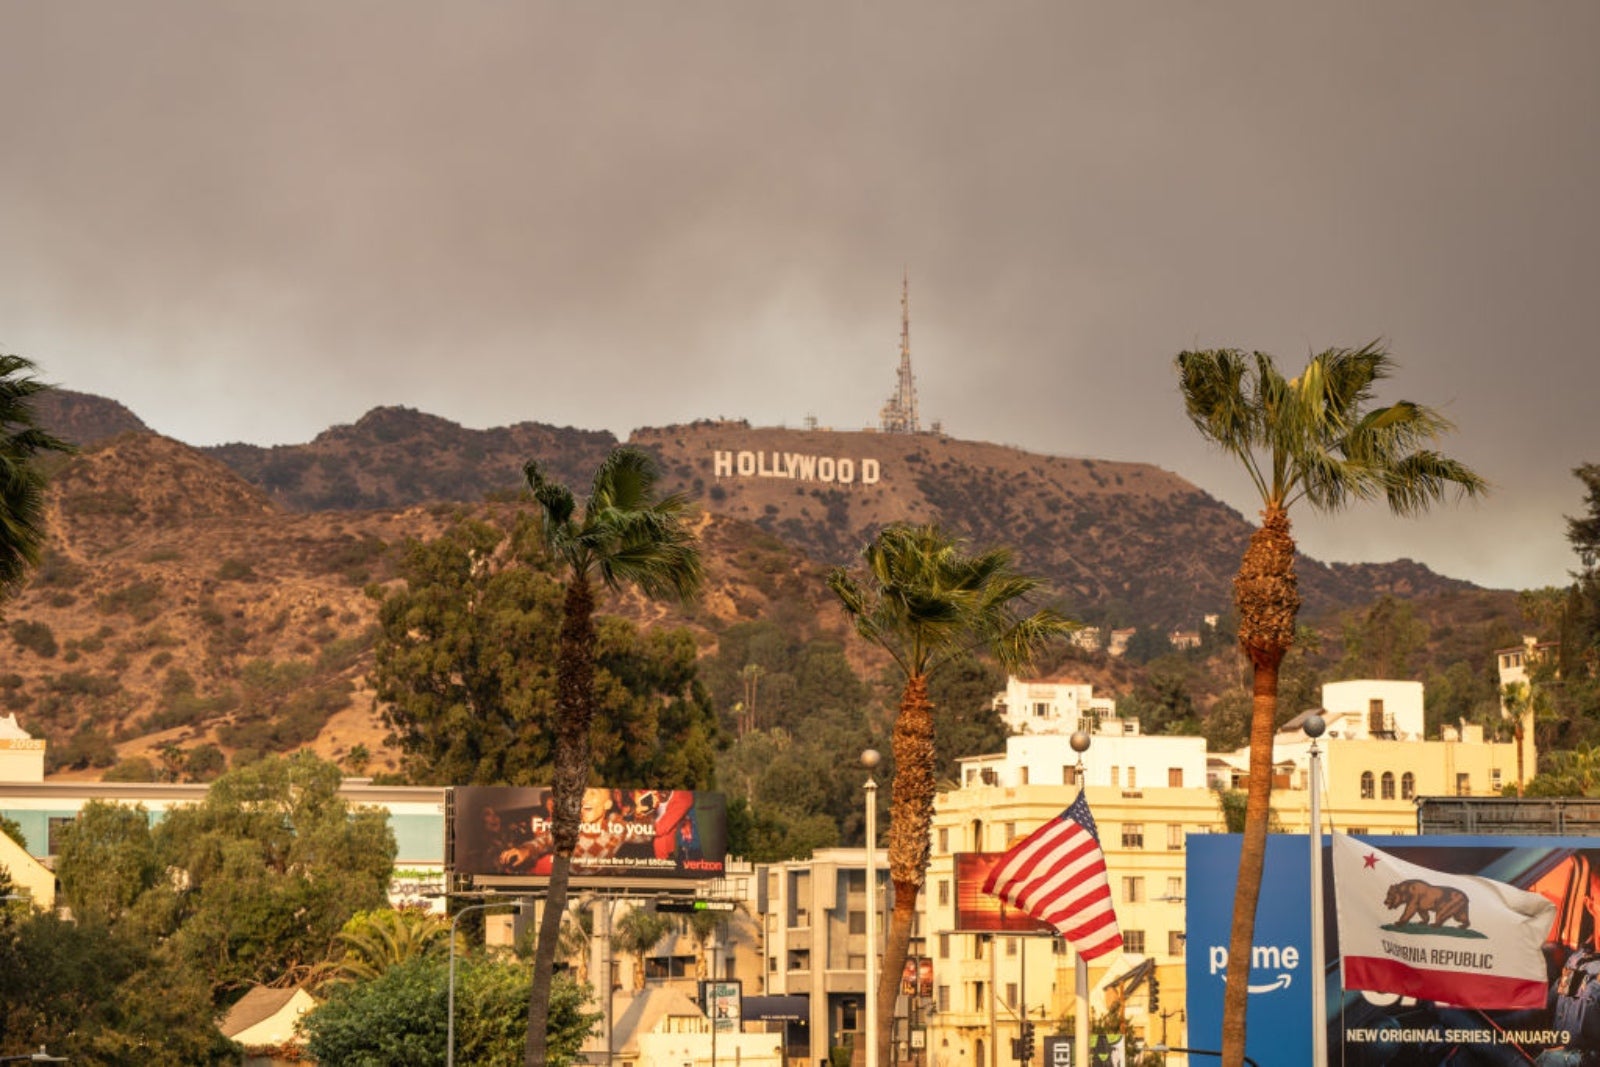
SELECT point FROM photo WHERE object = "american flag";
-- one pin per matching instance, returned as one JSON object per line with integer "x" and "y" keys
{"x": 1057, "y": 874}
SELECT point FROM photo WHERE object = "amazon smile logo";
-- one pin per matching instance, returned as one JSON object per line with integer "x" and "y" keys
{"x": 1265, "y": 959}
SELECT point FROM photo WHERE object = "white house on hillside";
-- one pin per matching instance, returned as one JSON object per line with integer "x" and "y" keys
{"x": 1052, "y": 706}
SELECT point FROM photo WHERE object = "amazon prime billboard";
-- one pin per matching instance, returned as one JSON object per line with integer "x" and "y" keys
{"x": 1369, "y": 1029}
{"x": 504, "y": 832}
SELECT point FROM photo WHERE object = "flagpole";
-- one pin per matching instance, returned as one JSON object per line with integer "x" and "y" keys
{"x": 1314, "y": 727}
{"x": 1080, "y": 1019}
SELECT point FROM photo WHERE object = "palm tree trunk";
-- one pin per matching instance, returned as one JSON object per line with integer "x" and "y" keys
{"x": 1268, "y": 599}
{"x": 569, "y": 778}
{"x": 910, "y": 822}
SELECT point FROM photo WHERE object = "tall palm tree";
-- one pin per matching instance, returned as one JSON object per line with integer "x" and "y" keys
{"x": 22, "y": 482}
{"x": 1524, "y": 702}
{"x": 926, "y": 601}
{"x": 1315, "y": 438}
{"x": 624, "y": 535}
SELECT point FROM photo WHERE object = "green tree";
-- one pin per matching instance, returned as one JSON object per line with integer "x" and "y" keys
{"x": 399, "y": 1019}
{"x": 1384, "y": 642}
{"x": 928, "y": 602}
{"x": 463, "y": 653}
{"x": 1524, "y": 703}
{"x": 101, "y": 995}
{"x": 268, "y": 869}
{"x": 1318, "y": 438}
{"x": 22, "y": 479}
{"x": 107, "y": 860}
{"x": 624, "y": 535}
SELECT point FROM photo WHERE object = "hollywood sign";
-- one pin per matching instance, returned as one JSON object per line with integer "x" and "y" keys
{"x": 840, "y": 470}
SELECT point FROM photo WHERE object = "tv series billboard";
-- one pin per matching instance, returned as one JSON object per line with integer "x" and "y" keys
{"x": 978, "y": 912}
{"x": 655, "y": 833}
{"x": 1366, "y": 1029}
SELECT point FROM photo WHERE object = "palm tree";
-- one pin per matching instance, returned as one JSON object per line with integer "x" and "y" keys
{"x": 637, "y": 932}
{"x": 1524, "y": 702}
{"x": 1315, "y": 438}
{"x": 376, "y": 940}
{"x": 622, "y": 536}
{"x": 926, "y": 601}
{"x": 22, "y": 483}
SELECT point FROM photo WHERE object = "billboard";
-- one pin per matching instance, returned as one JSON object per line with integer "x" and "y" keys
{"x": 1367, "y": 1029}
{"x": 978, "y": 912}
{"x": 504, "y": 831}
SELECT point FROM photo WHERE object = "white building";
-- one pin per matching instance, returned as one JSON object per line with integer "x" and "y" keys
{"x": 1052, "y": 706}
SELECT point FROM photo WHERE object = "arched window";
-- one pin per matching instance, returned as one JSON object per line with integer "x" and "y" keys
{"x": 1388, "y": 785}
{"x": 1408, "y": 786}
{"x": 1366, "y": 785}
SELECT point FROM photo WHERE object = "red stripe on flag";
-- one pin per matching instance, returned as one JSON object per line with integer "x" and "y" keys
{"x": 1447, "y": 987}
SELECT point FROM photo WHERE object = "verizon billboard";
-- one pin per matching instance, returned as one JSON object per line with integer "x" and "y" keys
{"x": 501, "y": 834}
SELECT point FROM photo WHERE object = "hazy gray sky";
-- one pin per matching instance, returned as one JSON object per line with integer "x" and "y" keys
{"x": 250, "y": 221}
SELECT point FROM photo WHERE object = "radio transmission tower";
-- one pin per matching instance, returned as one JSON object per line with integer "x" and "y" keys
{"x": 899, "y": 414}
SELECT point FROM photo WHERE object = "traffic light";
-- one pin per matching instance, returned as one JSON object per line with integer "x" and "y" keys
{"x": 1155, "y": 994}
{"x": 1027, "y": 1040}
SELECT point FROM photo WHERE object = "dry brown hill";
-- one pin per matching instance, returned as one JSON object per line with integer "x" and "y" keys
{"x": 176, "y": 605}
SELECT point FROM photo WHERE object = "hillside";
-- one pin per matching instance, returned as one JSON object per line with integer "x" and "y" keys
{"x": 210, "y": 601}
{"x": 177, "y": 605}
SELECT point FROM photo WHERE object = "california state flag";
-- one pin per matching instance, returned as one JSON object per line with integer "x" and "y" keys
{"x": 1449, "y": 938}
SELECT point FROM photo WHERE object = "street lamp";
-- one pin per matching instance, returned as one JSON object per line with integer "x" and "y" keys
{"x": 869, "y": 760}
{"x": 450, "y": 997}
{"x": 1314, "y": 727}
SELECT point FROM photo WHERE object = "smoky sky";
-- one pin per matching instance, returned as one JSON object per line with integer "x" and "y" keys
{"x": 252, "y": 221}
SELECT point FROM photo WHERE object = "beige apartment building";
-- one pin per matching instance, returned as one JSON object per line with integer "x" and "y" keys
{"x": 1148, "y": 796}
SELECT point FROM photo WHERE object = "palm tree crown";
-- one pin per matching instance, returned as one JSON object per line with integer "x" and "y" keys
{"x": 22, "y": 483}
{"x": 1314, "y": 437}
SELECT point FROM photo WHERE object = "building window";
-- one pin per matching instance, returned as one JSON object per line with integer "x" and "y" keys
{"x": 1175, "y": 777}
{"x": 1069, "y": 776}
{"x": 849, "y": 1015}
{"x": 52, "y": 833}
{"x": 858, "y": 922}
{"x": 1174, "y": 837}
{"x": 1463, "y": 785}
{"x": 943, "y": 999}
{"x": 1133, "y": 941}
{"x": 944, "y": 892}
{"x": 1116, "y": 775}
{"x": 1133, "y": 778}
{"x": 944, "y": 946}
{"x": 1041, "y": 711}
{"x": 799, "y": 959}
{"x": 944, "y": 839}
{"x": 1011, "y": 833}
{"x": 1133, "y": 889}
{"x": 1367, "y": 783}
{"x": 1175, "y": 941}
{"x": 1494, "y": 780}
{"x": 855, "y": 961}
{"x": 1408, "y": 786}
{"x": 1011, "y": 946}
{"x": 1387, "y": 783}
{"x": 978, "y": 1000}
{"x": 1133, "y": 835}
{"x": 1022, "y": 776}
{"x": 1175, "y": 888}
{"x": 772, "y": 964}
{"x": 1011, "y": 995}
{"x": 1058, "y": 946}
{"x": 978, "y": 943}
{"x": 977, "y": 835}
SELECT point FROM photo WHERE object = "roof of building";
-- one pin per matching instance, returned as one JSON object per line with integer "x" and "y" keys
{"x": 640, "y": 1012}
{"x": 262, "y": 1002}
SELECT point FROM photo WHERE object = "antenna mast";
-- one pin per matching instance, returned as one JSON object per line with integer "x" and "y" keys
{"x": 899, "y": 414}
